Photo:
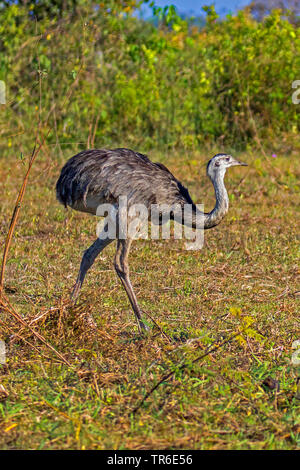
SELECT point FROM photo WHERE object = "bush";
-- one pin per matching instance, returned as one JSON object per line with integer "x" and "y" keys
{"x": 118, "y": 80}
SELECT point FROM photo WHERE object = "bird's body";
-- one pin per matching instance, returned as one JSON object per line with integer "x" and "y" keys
{"x": 94, "y": 177}
{"x": 101, "y": 176}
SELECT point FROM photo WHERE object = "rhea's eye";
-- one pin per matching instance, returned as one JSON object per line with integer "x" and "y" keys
{"x": 227, "y": 159}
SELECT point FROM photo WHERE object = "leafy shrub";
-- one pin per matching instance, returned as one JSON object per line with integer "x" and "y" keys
{"x": 135, "y": 84}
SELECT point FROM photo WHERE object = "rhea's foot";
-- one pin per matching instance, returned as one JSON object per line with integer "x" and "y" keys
{"x": 75, "y": 292}
{"x": 143, "y": 329}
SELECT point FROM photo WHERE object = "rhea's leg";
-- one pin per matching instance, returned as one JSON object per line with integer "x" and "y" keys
{"x": 87, "y": 261}
{"x": 122, "y": 269}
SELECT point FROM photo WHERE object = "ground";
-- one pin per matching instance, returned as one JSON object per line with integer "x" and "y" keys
{"x": 243, "y": 282}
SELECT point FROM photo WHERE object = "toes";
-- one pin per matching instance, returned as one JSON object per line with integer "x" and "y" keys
{"x": 75, "y": 292}
{"x": 144, "y": 329}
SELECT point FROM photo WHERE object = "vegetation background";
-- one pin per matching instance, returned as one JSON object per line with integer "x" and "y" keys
{"x": 84, "y": 74}
{"x": 173, "y": 85}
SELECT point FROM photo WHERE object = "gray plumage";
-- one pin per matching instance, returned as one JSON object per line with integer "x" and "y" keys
{"x": 105, "y": 175}
{"x": 94, "y": 177}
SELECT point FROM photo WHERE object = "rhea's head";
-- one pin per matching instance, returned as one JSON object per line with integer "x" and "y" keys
{"x": 219, "y": 163}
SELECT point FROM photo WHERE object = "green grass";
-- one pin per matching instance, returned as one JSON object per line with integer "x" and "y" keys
{"x": 248, "y": 265}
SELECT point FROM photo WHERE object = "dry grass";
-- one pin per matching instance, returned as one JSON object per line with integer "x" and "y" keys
{"x": 249, "y": 263}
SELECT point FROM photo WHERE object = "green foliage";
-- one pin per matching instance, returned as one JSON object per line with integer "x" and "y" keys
{"x": 245, "y": 327}
{"x": 139, "y": 84}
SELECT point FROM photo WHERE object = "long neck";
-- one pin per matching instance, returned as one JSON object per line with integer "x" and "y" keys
{"x": 214, "y": 217}
{"x": 199, "y": 220}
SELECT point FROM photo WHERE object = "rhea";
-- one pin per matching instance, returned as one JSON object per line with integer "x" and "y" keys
{"x": 95, "y": 177}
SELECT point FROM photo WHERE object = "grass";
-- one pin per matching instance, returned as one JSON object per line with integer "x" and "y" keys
{"x": 247, "y": 271}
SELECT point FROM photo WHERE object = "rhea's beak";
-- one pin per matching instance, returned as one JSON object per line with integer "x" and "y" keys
{"x": 237, "y": 162}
